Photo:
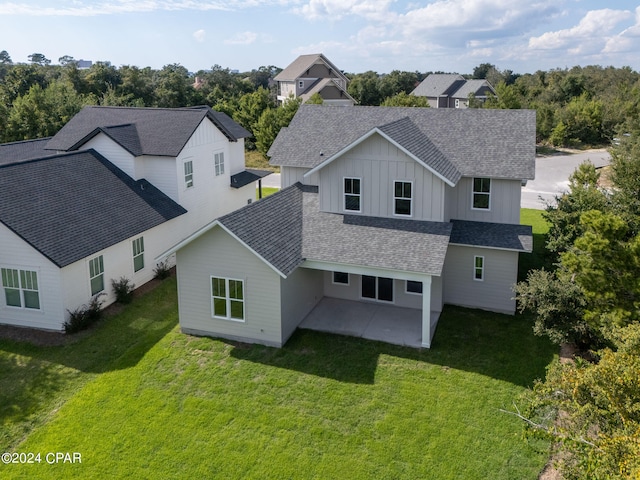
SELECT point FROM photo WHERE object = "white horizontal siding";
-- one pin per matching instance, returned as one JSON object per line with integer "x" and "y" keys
{"x": 217, "y": 253}
{"x": 494, "y": 293}
{"x": 17, "y": 254}
{"x": 379, "y": 163}
{"x": 505, "y": 202}
{"x": 299, "y": 293}
{"x": 114, "y": 153}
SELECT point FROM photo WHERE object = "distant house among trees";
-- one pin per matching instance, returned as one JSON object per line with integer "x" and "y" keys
{"x": 311, "y": 74}
{"x": 452, "y": 90}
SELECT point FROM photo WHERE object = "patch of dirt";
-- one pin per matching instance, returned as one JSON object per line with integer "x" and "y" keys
{"x": 45, "y": 338}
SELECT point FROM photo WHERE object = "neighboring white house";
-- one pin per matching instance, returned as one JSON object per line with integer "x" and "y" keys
{"x": 445, "y": 90}
{"x": 106, "y": 195}
{"x": 407, "y": 207}
{"x": 310, "y": 74}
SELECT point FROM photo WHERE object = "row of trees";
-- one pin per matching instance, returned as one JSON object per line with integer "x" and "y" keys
{"x": 582, "y": 105}
{"x": 591, "y": 299}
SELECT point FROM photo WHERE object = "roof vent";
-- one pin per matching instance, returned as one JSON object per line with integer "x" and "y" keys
{"x": 321, "y": 154}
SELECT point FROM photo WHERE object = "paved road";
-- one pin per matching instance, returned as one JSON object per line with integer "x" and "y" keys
{"x": 552, "y": 176}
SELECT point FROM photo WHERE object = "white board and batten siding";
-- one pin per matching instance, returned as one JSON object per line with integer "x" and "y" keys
{"x": 379, "y": 163}
{"x": 494, "y": 292}
{"x": 17, "y": 254}
{"x": 504, "y": 202}
{"x": 218, "y": 254}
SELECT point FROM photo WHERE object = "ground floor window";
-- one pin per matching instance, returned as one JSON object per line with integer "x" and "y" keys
{"x": 414, "y": 287}
{"x": 227, "y": 298}
{"x": 341, "y": 278}
{"x": 138, "y": 254}
{"x": 377, "y": 288}
{"x": 96, "y": 274}
{"x": 21, "y": 288}
{"x": 478, "y": 268}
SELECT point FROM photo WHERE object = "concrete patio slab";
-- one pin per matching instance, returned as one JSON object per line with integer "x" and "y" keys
{"x": 373, "y": 321}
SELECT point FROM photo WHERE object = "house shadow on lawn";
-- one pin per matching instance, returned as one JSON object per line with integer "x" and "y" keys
{"x": 502, "y": 347}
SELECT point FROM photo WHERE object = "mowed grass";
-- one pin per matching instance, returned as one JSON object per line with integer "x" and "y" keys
{"x": 138, "y": 399}
{"x": 539, "y": 258}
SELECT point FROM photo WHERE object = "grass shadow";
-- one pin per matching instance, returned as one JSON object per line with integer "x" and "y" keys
{"x": 499, "y": 346}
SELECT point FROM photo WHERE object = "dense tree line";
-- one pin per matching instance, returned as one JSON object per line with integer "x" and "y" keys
{"x": 591, "y": 299}
{"x": 577, "y": 106}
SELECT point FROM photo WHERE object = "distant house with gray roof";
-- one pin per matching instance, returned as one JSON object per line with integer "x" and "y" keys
{"x": 102, "y": 198}
{"x": 445, "y": 90}
{"x": 401, "y": 209}
{"x": 311, "y": 74}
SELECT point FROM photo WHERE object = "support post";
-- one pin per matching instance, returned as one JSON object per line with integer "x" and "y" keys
{"x": 426, "y": 312}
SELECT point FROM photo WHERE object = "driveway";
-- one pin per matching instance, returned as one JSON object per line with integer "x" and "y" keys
{"x": 552, "y": 176}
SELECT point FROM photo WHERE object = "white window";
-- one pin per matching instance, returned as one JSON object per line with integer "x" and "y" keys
{"x": 478, "y": 268}
{"x": 138, "y": 254}
{"x": 96, "y": 274}
{"x": 402, "y": 192}
{"x": 341, "y": 278}
{"x": 414, "y": 287}
{"x": 227, "y": 298}
{"x": 352, "y": 194}
{"x": 188, "y": 174}
{"x": 301, "y": 84}
{"x": 457, "y": 103}
{"x": 481, "y": 194}
{"x": 21, "y": 288}
{"x": 218, "y": 163}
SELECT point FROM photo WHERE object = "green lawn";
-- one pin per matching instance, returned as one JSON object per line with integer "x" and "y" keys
{"x": 138, "y": 399}
{"x": 539, "y": 258}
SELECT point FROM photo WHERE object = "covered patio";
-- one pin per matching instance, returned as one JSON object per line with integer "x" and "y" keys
{"x": 373, "y": 321}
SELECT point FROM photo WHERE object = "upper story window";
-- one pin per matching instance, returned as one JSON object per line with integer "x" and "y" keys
{"x": 138, "y": 254}
{"x": 402, "y": 192}
{"x": 96, "y": 274}
{"x": 301, "y": 84}
{"x": 227, "y": 298}
{"x": 218, "y": 163}
{"x": 457, "y": 103}
{"x": 481, "y": 194}
{"x": 21, "y": 288}
{"x": 352, "y": 194}
{"x": 188, "y": 174}
{"x": 478, "y": 268}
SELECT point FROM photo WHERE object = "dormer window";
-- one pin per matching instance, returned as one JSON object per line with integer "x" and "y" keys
{"x": 402, "y": 198}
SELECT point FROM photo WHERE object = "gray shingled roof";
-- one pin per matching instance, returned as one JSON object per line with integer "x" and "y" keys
{"x": 320, "y": 84}
{"x": 494, "y": 235}
{"x": 477, "y": 142}
{"x": 21, "y": 151}
{"x": 70, "y": 206}
{"x": 301, "y": 64}
{"x": 438, "y": 84}
{"x": 151, "y": 131}
{"x": 477, "y": 87}
{"x": 287, "y": 228}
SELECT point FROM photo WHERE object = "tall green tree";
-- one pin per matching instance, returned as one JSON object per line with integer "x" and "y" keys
{"x": 272, "y": 121}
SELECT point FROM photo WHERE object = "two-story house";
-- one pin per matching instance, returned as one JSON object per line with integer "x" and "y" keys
{"x": 403, "y": 208}
{"x": 310, "y": 74}
{"x": 444, "y": 90}
{"x": 105, "y": 196}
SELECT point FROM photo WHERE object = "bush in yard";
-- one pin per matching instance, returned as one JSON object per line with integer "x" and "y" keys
{"x": 123, "y": 290}
{"x": 162, "y": 270}
{"x": 86, "y": 315}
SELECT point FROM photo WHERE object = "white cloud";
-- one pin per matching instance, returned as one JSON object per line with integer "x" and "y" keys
{"x": 199, "y": 35}
{"x": 338, "y": 9}
{"x": 242, "y": 38}
{"x": 593, "y": 29}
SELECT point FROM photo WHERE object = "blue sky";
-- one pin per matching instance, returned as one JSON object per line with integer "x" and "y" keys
{"x": 356, "y": 35}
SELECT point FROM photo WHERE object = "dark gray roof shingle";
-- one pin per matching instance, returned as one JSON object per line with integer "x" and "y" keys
{"x": 287, "y": 228}
{"x": 493, "y": 235}
{"x": 15, "y": 152}
{"x": 247, "y": 176}
{"x": 150, "y": 131}
{"x": 70, "y": 206}
{"x": 477, "y": 142}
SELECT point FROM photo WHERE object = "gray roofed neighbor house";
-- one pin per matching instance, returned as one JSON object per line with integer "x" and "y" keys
{"x": 287, "y": 228}
{"x": 150, "y": 131}
{"x": 480, "y": 88}
{"x": 493, "y": 235}
{"x": 477, "y": 142}
{"x": 301, "y": 64}
{"x": 15, "y": 152}
{"x": 439, "y": 84}
{"x": 70, "y": 206}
